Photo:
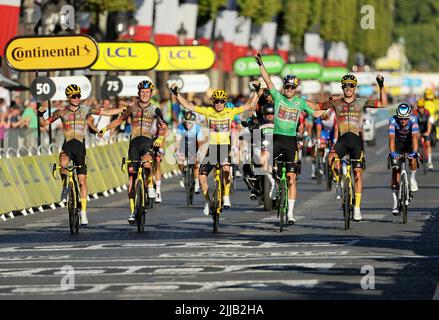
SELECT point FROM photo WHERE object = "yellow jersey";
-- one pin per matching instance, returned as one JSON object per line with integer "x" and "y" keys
{"x": 433, "y": 107}
{"x": 219, "y": 122}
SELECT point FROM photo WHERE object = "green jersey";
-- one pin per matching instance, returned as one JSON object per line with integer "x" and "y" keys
{"x": 287, "y": 113}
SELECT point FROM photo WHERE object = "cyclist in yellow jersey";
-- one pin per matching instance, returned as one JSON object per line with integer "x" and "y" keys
{"x": 432, "y": 105}
{"x": 219, "y": 119}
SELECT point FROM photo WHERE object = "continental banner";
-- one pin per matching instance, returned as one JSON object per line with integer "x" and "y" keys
{"x": 26, "y": 53}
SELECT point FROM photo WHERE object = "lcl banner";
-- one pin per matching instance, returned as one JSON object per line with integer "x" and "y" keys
{"x": 185, "y": 58}
{"x": 126, "y": 56}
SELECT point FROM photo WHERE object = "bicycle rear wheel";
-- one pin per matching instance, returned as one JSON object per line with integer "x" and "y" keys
{"x": 422, "y": 158}
{"x": 268, "y": 202}
{"x": 404, "y": 198}
{"x": 346, "y": 203}
{"x": 318, "y": 172}
{"x": 140, "y": 208}
{"x": 71, "y": 205}
{"x": 329, "y": 176}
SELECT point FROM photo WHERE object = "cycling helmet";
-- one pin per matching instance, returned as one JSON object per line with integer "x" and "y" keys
{"x": 267, "y": 109}
{"x": 219, "y": 94}
{"x": 290, "y": 79}
{"x": 421, "y": 103}
{"x": 404, "y": 110}
{"x": 429, "y": 94}
{"x": 72, "y": 89}
{"x": 349, "y": 78}
{"x": 145, "y": 84}
{"x": 190, "y": 116}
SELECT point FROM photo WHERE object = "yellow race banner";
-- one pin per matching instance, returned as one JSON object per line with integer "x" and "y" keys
{"x": 185, "y": 58}
{"x": 126, "y": 56}
{"x": 51, "y": 52}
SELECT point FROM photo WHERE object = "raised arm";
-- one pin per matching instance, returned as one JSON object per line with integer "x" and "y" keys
{"x": 252, "y": 102}
{"x": 45, "y": 122}
{"x": 186, "y": 104}
{"x": 383, "y": 95}
{"x": 264, "y": 72}
{"x": 115, "y": 123}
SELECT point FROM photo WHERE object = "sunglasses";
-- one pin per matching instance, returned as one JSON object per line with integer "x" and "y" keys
{"x": 222, "y": 101}
{"x": 348, "y": 85}
{"x": 289, "y": 87}
{"x": 75, "y": 96}
{"x": 403, "y": 119}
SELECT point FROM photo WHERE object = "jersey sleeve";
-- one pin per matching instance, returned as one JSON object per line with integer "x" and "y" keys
{"x": 371, "y": 103}
{"x": 55, "y": 116}
{"x": 236, "y": 111}
{"x": 307, "y": 108}
{"x": 126, "y": 114}
{"x": 392, "y": 126}
{"x": 202, "y": 110}
{"x": 415, "y": 125}
{"x": 276, "y": 95}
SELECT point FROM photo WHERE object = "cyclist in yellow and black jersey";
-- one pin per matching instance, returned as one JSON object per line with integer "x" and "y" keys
{"x": 146, "y": 122}
{"x": 219, "y": 120}
{"x": 74, "y": 120}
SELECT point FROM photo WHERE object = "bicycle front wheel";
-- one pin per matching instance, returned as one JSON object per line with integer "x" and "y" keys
{"x": 347, "y": 204}
{"x": 140, "y": 206}
{"x": 215, "y": 207}
{"x": 281, "y": 208}
{"x": 71, "y": 205}
{"x": 404, "y": 198}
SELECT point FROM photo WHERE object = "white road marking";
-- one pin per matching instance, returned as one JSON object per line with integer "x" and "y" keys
{"x": 237, "y": 285}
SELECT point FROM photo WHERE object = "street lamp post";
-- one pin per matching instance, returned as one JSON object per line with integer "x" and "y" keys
{"x": 182, "y": 34}
{"x": 219, "y": 40}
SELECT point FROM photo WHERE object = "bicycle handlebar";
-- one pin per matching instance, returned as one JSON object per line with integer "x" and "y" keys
{"x": 69, "y": 168}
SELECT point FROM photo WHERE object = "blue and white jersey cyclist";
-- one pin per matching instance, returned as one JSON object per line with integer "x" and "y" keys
{"x": 403, "y": 138}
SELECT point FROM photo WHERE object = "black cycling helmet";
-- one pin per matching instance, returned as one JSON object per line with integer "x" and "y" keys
{"x": 292, "y": 80}
{"x": 190, "y": 116}
{"x": 404, "y": 110}
{"x": 145, "y": 84}
{"x": 267, "y": 109}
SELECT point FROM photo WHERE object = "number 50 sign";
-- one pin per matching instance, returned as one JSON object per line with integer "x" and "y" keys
{"x": 53, "y": 88}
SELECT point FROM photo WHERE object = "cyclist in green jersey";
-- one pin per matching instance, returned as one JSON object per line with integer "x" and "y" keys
{"x": 287, "y": 109}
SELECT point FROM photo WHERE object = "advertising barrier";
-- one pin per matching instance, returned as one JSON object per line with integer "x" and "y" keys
{"x": 27, "y": 182}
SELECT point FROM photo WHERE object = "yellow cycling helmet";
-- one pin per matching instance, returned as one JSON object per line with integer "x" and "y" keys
{"x": 429, "y": 94}
{"x": 421, "y": 103}
{"x": 220, "y": 94}
{"x": 72, "y": 89}
{"x": 349, "y": 78}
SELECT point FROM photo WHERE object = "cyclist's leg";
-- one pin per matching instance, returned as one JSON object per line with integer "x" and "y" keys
{"x": 64, "y": 159}
{"x": 158, "y": 176}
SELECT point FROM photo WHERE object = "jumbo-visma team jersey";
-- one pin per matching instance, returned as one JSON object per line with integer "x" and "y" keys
{"x": 287, "y": 113}
{"x": 219, "y": 123}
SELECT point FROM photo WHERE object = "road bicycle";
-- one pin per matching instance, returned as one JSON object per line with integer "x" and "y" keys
{"x": 141, "y": 195}
{"x": 72, "y": 195}
{"x": 218, "y": 193}
{"x": 348, "y": 191}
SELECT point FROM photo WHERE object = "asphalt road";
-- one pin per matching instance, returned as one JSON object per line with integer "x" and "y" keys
{"x": 180, "y": 258}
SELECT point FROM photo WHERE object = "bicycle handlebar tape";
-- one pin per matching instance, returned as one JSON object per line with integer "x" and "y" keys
{"x": 40, "y": 113}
